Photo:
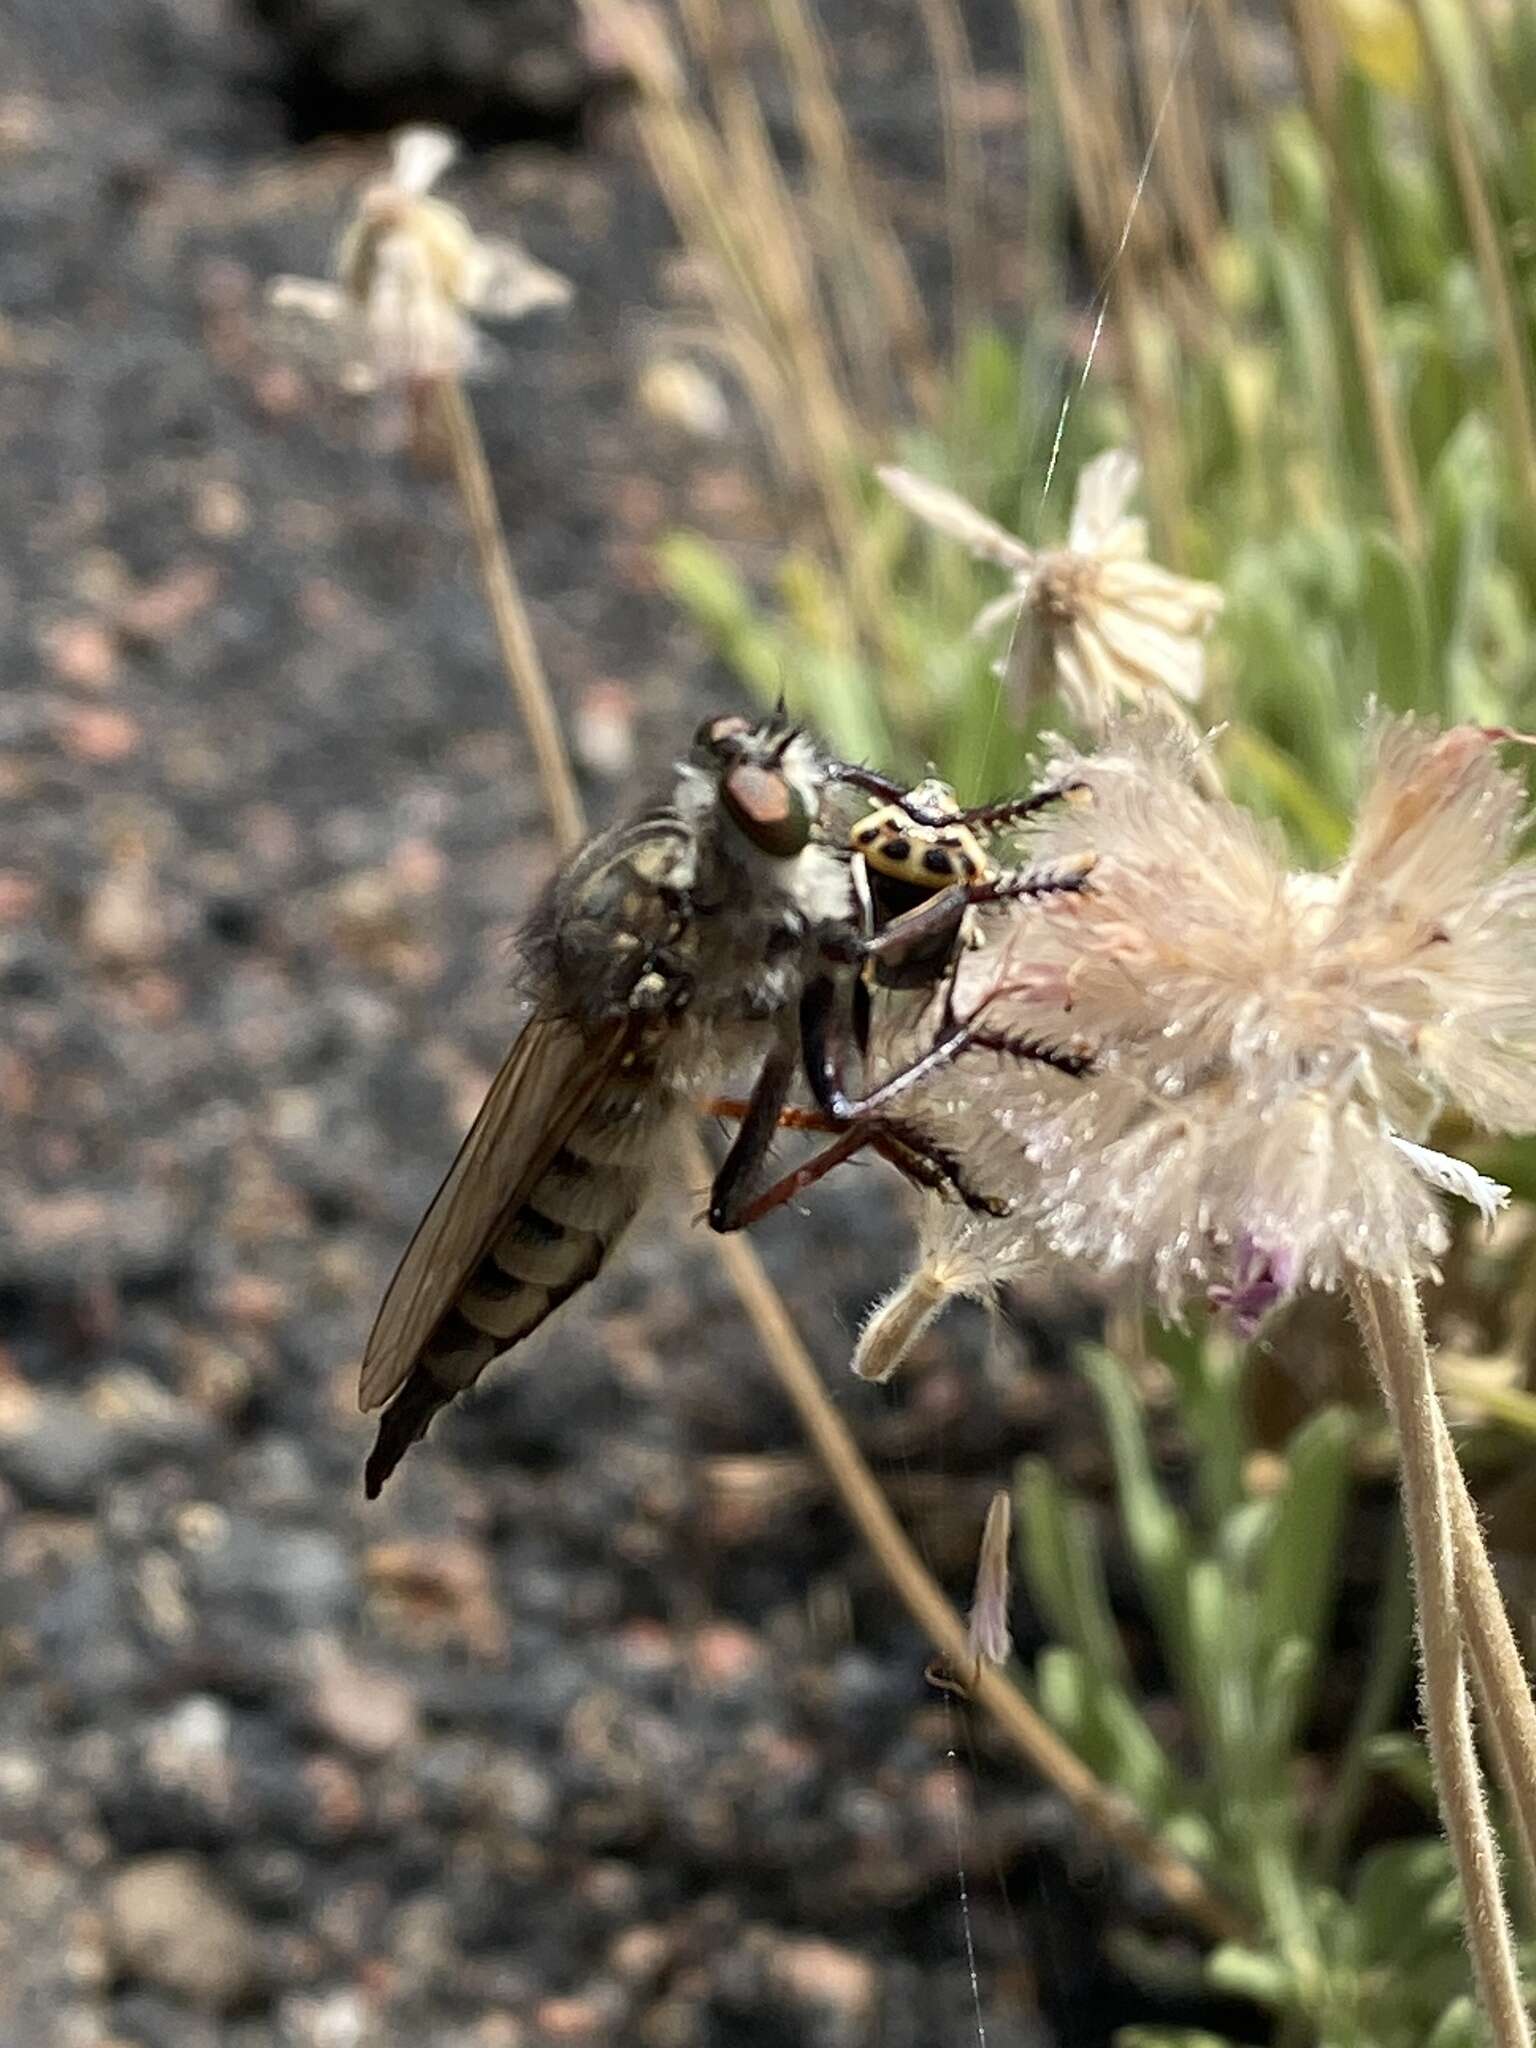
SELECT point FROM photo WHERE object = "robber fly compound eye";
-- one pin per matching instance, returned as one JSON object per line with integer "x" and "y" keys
{"x": 768, "y": 808}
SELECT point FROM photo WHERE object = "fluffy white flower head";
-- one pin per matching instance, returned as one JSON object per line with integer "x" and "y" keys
{"x": 1270, "y": 1047}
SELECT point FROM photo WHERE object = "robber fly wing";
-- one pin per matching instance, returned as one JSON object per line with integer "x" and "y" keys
{"x": 546, "y": 1084}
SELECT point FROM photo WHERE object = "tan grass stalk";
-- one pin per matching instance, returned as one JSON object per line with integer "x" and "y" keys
{"x": 509, "y": 615}
{"x": 1106, "y": 189}
{"x": 1232, "y": 52}
{"x": 1162, "y": 40}
{"x": 1393, "y": 1330}
{"x": 1317, "y": 60}
{"x": 690, "y": 166}
{"x": 964, "y": 166}
{"x": 730, "y": 199}
{"x": 1488, "y": 251}
{"x": 1066, "y": 69}
{"x": 780, "y": 253}
{"x": 1155, "y": 411}
{"x": 1109, "y": 94}
{"x": 865, "y": 238}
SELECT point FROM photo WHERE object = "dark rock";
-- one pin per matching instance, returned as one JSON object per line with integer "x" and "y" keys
{"x": 496, "y": 70}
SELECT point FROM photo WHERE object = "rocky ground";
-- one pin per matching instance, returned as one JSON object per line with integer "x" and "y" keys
{"x": 597, "y": 1729}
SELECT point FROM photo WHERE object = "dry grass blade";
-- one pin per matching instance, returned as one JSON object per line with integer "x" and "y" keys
{"x": 1168, "y": 95}
{"x": 964, "y": 166}
{"x": 1318, "y": 63}
{"x": 1487, "y": 248}
{"x": 509, "y": 615}
{"x": 1117, "y": 211}
{"x": 866, "y": 247}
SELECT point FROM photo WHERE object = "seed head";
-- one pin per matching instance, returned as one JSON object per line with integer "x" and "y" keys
{"x": 1107, "y": 626}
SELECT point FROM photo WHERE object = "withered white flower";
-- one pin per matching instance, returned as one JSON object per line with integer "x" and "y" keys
{"x": 1270, "y": 1047}
{"x": 987, "y": 1631}
{"x": 410, "y": 271}
{"x": 1096, "y": 617}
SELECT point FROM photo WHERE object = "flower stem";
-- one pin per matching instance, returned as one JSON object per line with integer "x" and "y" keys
{"x": 1509, "y": 1713}
{"x": 1392, "y": 1327}
{"x": 509, "y": 615}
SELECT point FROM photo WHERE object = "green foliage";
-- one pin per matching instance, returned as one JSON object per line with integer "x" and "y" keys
{"x": 1327, "y": 608}
{"x": 1241, "y": 1592}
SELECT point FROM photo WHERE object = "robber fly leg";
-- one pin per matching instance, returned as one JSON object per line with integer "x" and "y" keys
{"x": 870, "y": 780}
{"x": 943, "y": 912}
{"x": 824, "y": 1060}
{"x": 824, "y": 1069}
{"x": 805, "y": 1176}
{"x": 793, "y": 1118}
{"x": 729, "y": 1197}
{"x": 933, "y": 1166}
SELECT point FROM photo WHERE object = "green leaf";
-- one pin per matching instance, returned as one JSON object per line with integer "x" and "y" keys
{"x": 1170, "y": 2037}
{"x": 1064, "y": 1570}
{"x": 1300, "y": 1567}
{"x": 1459, "y": 2026}
{"x": 1250, "y": 1973}
{"x": 1397, "y": 619}
{"x": 1158, "y": 1540}
{"x": 1402, "y": 1893}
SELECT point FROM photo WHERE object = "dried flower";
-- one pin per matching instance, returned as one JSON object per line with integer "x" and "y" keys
{"x": 988, "y": 1638}
{"x": 1270, "y": 1047}
{"x": 1110, "y": 626}
{"x": 963, "y": 1256}
{"x": 410, "y": 269}
{"x": 987, "y": 1631}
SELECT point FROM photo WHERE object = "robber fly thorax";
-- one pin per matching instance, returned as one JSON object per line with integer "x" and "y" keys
{"x": 740, "y": 920}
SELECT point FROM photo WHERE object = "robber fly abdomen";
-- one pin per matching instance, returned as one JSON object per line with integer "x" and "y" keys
{"x": 668, "y": 948}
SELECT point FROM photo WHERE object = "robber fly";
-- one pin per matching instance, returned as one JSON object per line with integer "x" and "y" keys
{"x": 719, "y": 926}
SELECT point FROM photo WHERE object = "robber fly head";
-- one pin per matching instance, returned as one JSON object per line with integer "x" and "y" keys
{"x": 769, "y": 777}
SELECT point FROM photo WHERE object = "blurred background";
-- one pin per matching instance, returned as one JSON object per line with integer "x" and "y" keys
{"x": 599, "y": 1727}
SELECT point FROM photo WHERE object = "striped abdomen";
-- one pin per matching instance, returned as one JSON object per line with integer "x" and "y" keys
{"x": 557, "y": 1238}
